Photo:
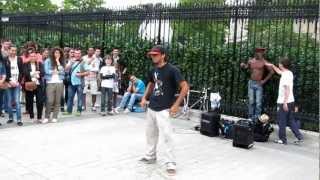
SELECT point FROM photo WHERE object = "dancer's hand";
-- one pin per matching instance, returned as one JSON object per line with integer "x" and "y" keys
{"x": 174, "y": 110}
{"x": 143, "y": 102}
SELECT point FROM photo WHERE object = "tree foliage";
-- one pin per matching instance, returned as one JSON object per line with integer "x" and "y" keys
{"x": 15, "y": 6}
{"x": 82, "y": 4}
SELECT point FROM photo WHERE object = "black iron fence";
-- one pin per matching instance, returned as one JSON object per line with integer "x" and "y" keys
{"x": 207, "y": 41}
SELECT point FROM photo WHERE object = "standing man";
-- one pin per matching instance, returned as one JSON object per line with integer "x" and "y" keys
{"x": 91, "y": 81}
{"x": 256, "y": 66}
{"x": 5, "y": 47}
{"x": 77, "y": 71}
{"x": 3, "y": 83}
{"x": 13, "y": 95}
{"x": 163, "y": 82}
{"x": 97, "y": 54}
{"x": 285, "y": 102}
{"x": 64, "y": 99}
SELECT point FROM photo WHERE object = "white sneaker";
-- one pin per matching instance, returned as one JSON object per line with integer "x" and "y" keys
{"x": 126, "y": 111}
{"x": 94, "y": 108}
{"x": 45, "y": 120}
{"x": 54, "y": 120}
{"x": 116, "y": 110}
{"x": 171, "y": 169}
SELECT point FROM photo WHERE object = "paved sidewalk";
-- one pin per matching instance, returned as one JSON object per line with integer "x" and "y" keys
{"x": 94, "y": 148}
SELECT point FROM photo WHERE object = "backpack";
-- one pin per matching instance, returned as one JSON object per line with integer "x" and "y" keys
{"x": 262, "y": 131}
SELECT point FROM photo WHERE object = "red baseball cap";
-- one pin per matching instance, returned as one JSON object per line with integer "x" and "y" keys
{"x": 260, "y": 50}
{"x": 156, "y": 50}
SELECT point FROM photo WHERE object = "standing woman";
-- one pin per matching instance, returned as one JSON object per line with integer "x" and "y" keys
{"x": 54, "y": 76}
{"x": 33, "y": 85}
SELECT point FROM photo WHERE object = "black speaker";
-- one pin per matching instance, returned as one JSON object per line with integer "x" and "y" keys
{"x": 243, "y": 134}
{"x": 209, "y": 124}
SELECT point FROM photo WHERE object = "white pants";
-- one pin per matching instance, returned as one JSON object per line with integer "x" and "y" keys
{"x": 159, "y": 123}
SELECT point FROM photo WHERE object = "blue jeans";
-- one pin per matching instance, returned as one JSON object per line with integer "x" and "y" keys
{"x": 255, "y": 92}
{"x": 72, "y": 90}
{"x": 106, "y": 93}
{"x": 13, "y": 95}
{"x": 132, "y": 97}
{"x": 2, "y": 96}
{"x": 285, "y": 118}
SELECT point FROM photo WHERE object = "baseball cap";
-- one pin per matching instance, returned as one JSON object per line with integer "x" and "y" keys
{"x": 260, "y": 50}
{"x": 157, "y": 50}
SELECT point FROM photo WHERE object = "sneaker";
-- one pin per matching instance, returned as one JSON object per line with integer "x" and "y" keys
{"x": 298, "y": 142}
{"x": 2, "y": 114}
{"x": 126, "y": 111}
{"x": 66, "y": 113}
{"x": 171, "y": 169}
{"x": 94, "y": 108}
{"x": 78, "y": 113}
{"x": 148, "y": 161}
{"x": 62, "y": 109}
{"x": 118, "y": 109}
{"x": 19, "y": 123}
{"x": 279, "y": 141}
{"x": 110, "y": 113}
{"x": 10, "y": 121}
{"x": 103, "y": 113}
{"x": 54, "y": 120}
{"x": 45, "y": 120}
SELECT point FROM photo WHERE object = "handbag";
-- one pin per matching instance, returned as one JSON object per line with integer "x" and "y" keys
{"x": 30, "y": 86}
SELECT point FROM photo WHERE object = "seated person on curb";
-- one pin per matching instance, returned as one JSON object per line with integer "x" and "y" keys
{"x": 134, "y": 92}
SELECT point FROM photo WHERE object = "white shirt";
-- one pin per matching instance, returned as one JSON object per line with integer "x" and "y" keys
{"x": 14, "y": 69}
{"x": 55, "y": 78}
{"x": 33, "y": 74}
{"x": 107, "y": 70}
{"x": 285, "y": 80}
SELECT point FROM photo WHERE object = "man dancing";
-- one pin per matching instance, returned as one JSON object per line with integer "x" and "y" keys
{"x": 163, "y": 82}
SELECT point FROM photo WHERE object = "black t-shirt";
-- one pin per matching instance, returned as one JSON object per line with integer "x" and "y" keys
{"x": 166, "y": 82}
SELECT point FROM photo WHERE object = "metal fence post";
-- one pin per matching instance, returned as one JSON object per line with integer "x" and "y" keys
{"x": 61, "y": 31}
{"x": 28, "y": 28}
{"x": 234, "y": 48}
{"x": 1, "y": 25}
{"x": 103, "y": 34}
{"x": 159, "y": 30}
